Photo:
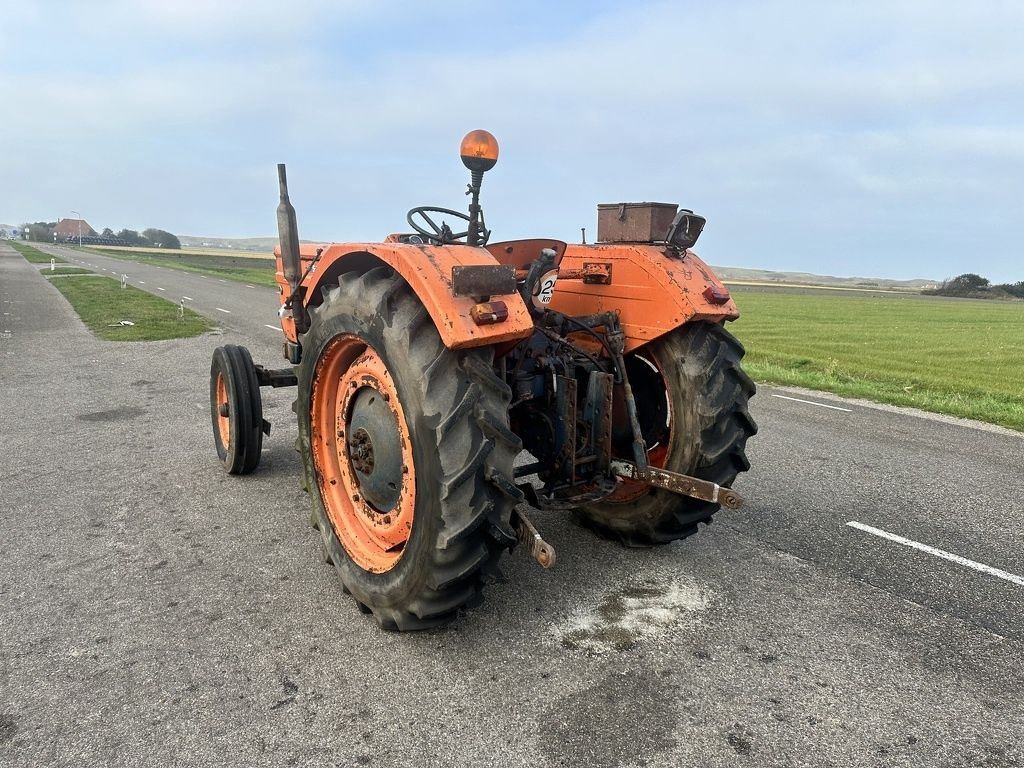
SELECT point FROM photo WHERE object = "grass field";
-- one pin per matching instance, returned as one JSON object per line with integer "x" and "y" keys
{"x": 238, "y": 253}
{"x": 230, "y": 266}
{"x": 102, "y": 303}
{"x": 58, "y": 271}
{"x": 34, "y": 256}
{"x": 953, "y": 356}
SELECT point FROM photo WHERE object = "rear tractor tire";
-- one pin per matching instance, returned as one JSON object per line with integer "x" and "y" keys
{"x": 406, "y": 449}
{"x": 236, "y": 409}
{"x": 692, "y": 400}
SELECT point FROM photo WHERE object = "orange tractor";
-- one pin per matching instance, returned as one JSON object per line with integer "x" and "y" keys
{"x": 443, "y": 380}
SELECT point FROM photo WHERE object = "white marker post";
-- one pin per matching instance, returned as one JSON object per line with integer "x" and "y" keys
{"x": 124, "y": 280}
{"x": 181, "y": 309}
{"x": 53, "y": 264}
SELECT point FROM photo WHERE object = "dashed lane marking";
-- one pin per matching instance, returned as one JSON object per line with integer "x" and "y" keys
{"x": 1011, "y": 577}
{"x": 811, "y": 402}
{"x": 272, "y": 327}
{"x": 225, "y": 311}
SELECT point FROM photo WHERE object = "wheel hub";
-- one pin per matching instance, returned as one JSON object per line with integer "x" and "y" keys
{"x": 360, "y": 451}
{"x": 375, "y": 449}
{"x": 223, "y": 412}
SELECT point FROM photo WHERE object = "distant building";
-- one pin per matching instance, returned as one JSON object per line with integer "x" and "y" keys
{"x": 70, "y": 229}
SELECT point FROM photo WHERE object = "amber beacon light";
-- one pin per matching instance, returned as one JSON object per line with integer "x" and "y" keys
{"x": 479, "y": 151}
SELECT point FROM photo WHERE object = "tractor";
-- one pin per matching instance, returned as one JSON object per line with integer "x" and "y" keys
{"x": 447, "y": 385}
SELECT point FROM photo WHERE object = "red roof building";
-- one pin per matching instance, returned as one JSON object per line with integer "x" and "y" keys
{"x": 70, "y": 228}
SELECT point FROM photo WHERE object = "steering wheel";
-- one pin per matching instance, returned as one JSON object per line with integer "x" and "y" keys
{"x": 438, "y": 234}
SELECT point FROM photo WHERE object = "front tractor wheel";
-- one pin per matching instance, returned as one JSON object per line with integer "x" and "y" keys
{"x": 236, "y": 409}
{"x": 692, "y": 401}
{"x": 402, "y": 440}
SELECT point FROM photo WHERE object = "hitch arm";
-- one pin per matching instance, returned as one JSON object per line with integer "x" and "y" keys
{"x": 528, "y": 536}
{"x": 681, "y": 484}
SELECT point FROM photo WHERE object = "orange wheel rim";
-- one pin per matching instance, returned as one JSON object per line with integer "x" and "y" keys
{"x": 223, "y": 415}
{"x": 657, "y": 456}
{"x": 362, "y": 454}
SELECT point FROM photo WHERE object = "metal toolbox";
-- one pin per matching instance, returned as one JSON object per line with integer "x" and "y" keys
{"x": 634, "y": 222}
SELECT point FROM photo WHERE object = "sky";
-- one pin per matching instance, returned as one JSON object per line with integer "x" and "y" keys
{"x": 876, "y": 139}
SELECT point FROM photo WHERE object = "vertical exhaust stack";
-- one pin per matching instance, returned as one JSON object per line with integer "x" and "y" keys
{"x": 288, "y": 233}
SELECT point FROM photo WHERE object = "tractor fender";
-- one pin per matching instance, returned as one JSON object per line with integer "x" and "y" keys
{"x": 428, "y": 271}
{"x": 653, "y": 292}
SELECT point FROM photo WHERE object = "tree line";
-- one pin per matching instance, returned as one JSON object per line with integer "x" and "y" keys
{"x": 972, "y": 286}
{"x": 42, "y": 232}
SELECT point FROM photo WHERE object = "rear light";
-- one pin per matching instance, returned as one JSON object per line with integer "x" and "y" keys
{"x": 596, "y": 273}
{"x": 715, "y": 295}
{"x": 489, "y": 312}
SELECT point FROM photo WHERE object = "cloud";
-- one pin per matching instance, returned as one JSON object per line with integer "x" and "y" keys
{"x": 810, "y": 120}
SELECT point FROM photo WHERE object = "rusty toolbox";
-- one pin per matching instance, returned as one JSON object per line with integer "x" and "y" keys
{"x": 634, "y": 222}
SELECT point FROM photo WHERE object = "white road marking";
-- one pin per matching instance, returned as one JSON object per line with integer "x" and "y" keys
{"x": 161, "y": 289}
{"x": 221, "y": 281}
{"x": 142, "y": 282}
{"x": 249, "y": 286}
{"x": 811, "y": 402}
{"x": 1011, "y": 577}
{"x": 225, "y": 311}
{"x": 272, "y": 327}
{"x": 187, "y": 298}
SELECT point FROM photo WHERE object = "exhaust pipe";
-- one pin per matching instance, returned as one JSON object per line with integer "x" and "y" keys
{"x": 288, "y": 233}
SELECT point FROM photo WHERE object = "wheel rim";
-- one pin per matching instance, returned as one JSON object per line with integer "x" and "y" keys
{"x": 657, "y": 455}
{"x": 223, "y": 411}
{"x": 362, "y": 454}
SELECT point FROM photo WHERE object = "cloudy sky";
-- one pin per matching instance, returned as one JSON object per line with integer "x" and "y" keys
{"x": 848, "y": 138}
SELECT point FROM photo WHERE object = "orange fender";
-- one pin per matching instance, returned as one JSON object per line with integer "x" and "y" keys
{"x": 428, "y": 270}
{"x": 652, "y": 292}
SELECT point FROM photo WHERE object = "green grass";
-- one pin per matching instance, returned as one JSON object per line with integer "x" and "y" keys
{"x": 962, "y": 358}
{"x": 33, "y": 255}
{"x": 58, "y": 271}
{"x": 205, "y": 265}
{"x": 102, "y": 303}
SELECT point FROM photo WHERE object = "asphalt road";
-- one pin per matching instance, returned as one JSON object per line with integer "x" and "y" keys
{"x": 156, "y": 611}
